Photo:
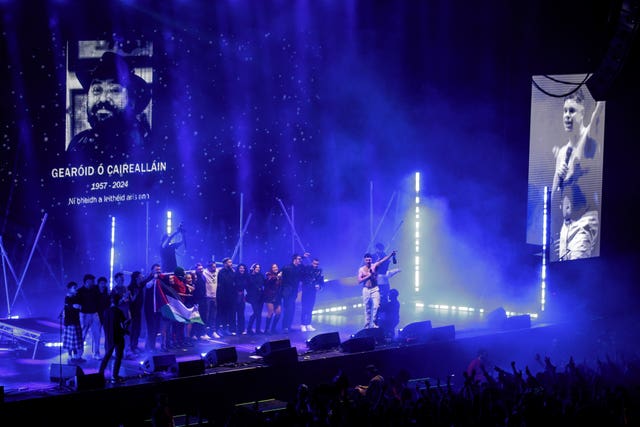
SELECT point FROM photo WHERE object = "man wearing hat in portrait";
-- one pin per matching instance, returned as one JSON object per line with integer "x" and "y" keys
{"x": 116, "y": 99}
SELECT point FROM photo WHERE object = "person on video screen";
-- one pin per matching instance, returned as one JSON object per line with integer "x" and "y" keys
{"x": 576, "y": 179}
{"x": 116, "y": 99}
{"x": 577, "y": 237}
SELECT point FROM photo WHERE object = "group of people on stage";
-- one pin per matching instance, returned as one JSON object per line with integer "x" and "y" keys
{"x": 220, "y": 295}
{"x": 91, "y": 309}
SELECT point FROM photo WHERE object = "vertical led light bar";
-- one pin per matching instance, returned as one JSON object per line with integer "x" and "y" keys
{"x": 169, "y": 222}
{"x": 545, "y": 254}
{"x": 416, "y": 274}
{"x": 113, "y": 251}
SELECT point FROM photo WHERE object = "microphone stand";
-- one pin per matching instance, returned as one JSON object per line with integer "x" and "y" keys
{"x": 60, "y": 323}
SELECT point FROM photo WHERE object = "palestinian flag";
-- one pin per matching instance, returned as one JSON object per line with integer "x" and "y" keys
{"x": 169, "y": 304}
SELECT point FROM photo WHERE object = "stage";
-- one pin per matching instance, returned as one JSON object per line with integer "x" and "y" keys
{"x": 266, "y": 369}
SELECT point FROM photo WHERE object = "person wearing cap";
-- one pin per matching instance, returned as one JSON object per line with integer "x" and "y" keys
{"x": 116, "y": 99}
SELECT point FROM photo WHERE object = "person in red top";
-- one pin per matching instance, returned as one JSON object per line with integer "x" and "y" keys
{"x": 176, "y": 336}
{"x": 478, "y": 367}
{"x": 273, "y": 297}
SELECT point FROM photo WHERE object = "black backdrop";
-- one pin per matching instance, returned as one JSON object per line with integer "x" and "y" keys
{"x": 313, "y": 103}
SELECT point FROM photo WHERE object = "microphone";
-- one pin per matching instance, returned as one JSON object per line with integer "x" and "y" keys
{"x": 393, "y": 258}
{"x": 568, "y": 155}
{"x": 566, "y": 162}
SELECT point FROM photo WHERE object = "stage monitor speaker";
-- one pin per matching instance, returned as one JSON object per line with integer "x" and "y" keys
{"x": 376, "y": 333}
{"x": 496, "y": 318}
{"x": 221, "y": 356}
{"x": 327, "y": 341}
{"x": 284, "y": 357}
{"x": 442, "y": 333}
{"x": 270, "y": 346}
{"x": 357, "y": 345}
{"x": 517, "y": 322}
{"x": 190, "y": 368}
{"x": 64, "y": 372}
{"x": 416, "y": 331}
{"x": 159, "y": 362}
{"x": 89, "y": 381}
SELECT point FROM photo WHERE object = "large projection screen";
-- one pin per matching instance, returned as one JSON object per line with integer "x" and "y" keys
{"x": 565, "y": 157}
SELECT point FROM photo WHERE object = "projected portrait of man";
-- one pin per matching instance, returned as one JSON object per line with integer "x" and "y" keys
{"x": 116, "y": 99}
{"x": 576, "y": 179}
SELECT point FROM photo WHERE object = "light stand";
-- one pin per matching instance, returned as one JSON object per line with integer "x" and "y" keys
{"x": 291, "y": 224}
{"x": 5, "y": 262}
{"x": 61, "y": 385}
